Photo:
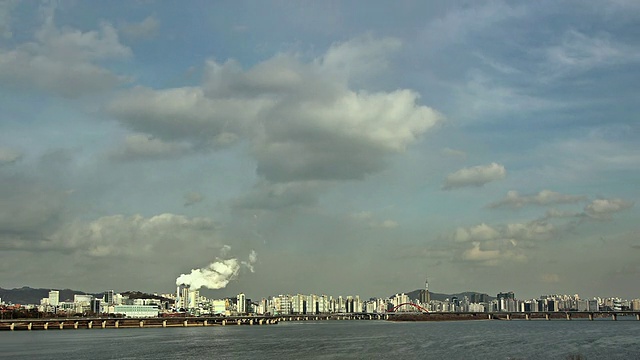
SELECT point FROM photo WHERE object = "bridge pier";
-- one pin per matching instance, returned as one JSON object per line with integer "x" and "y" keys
{"x": 164, "y": 323}
{"x": 508, "y": 316}
{"x": 75, "y": 325}
{"x": 29, "y": 326}
{"x": 614, "y": 317}
{"x": 546, "y": 316}
{"x": 527, "y": 316}
{"x": 489, "y": 316}
{"x": 638, "y": 317}
{"x": 61, "y": 325}
{"x": 568, "y": 316}
{"x": 205, "y": 323}
{"x": 46, "y": 326}
{"x": 12, "y": 326}
{"x": 104, "y": 324}
{"x": 238, "y": 322}
{"x": 185, "y": 323}
{"x": 90, "y": 325}
{"x": 224, "y": 322}
{"x": 141, "y": 324}
{"x": 251, "y": 322}
{"x": 591, "y": 316}
{"x": 117, "y": 324}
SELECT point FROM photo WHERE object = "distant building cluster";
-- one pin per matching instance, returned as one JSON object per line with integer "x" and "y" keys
{"x": 187, "y": 301}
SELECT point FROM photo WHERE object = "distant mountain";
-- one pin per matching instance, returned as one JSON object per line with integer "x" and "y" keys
{"x": 415, "y": 294}
{"x": 27, "y": 295}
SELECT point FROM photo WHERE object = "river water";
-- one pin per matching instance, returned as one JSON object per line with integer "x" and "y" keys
{"x": 479, "y": 339}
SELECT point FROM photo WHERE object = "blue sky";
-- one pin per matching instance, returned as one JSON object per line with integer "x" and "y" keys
{"x": 354, "y": 146}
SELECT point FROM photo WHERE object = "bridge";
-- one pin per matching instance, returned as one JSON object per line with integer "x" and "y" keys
{"x": 416, "y": 306}
{"x": 189, "y": 321}
{"x": 170, "y": 321}
{"x": 546, "y": 315}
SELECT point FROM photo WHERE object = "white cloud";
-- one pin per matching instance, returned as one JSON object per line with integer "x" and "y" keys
{"x": 359, "y": 56}
{"x": 475, "y": 176}
{"x": 302, "y": 120}
{"x": 145, "y": 29}
{"x": 579, "y": 52}
{"x": 142, "y": 146}
{"x": 476, "y": 254}
{"x": 534, "y": 230}
{"x": 475, "y": 233}
{"x": 543, "y": 198}
{"x": 186, "y": 114}
{"x": 491, "y": 257}
{"x": 138, "y": 236}
{"x": 603, "y": 209}
{"x": 63, "y": 61}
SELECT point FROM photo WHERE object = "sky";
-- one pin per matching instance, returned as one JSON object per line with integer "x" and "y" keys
{"x": 326, "y": 147}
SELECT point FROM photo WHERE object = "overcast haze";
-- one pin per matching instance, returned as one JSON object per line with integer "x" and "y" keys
{"x": 355, "y": 146}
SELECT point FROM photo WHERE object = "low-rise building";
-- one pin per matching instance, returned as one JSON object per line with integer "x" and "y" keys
{"x": 137, "y": 311}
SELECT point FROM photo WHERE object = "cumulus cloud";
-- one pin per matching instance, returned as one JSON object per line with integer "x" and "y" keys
{"x": 145, "y": 29}
{"x": 359, "y": 56}
{"x": 474, "y": 233}
{"x": 513, "y": 232}
{"x": 63, "y": 61}
{"x": 491, "y": 257}
{"x": 475, "y": 176}
{"x": 533, "y": 230}
{"x": 115, "y": 235}
{"x": 302, "y": 120}
{"x": 603, "y": 209}
{"x": 543, "y": 198}
{"x": 143, "y": 146}
{"x": 9, "y": 156}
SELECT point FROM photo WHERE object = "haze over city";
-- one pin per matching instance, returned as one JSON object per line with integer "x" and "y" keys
{"x": 321, "y": 147}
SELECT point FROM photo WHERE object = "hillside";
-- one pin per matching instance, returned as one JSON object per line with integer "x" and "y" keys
{"x": 415, "y": 294}
{"x": 27, "y": 295}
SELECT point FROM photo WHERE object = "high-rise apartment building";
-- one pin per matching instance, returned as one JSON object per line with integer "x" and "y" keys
{"x": 109, "y": 297}
{"x": 241, "y": 303}
{"x": 54, "y": 297}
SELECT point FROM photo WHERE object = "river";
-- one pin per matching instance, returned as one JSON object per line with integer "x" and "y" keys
{"x": 480, "y": 339}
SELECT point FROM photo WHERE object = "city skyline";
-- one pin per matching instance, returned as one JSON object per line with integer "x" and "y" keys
{"x": 353, "y": 147}
{"x": 188, "y": 300}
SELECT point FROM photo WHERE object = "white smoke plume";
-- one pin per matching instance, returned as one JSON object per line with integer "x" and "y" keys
{"x": 217, "y": 274}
